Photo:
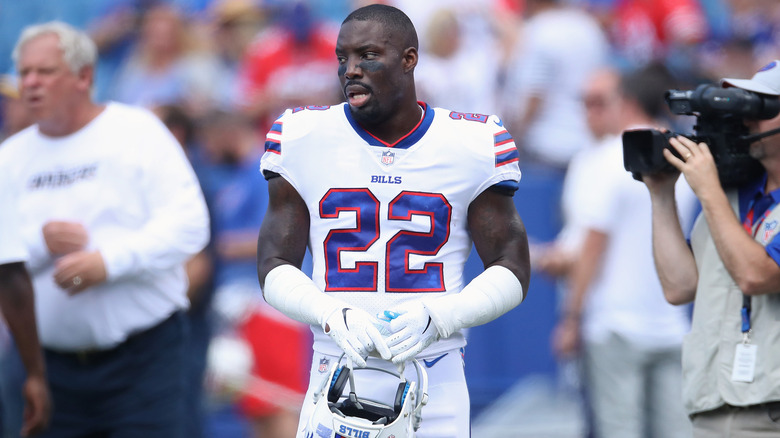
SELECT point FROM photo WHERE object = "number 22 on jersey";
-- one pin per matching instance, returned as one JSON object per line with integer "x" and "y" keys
{"x": 399, "y": 276}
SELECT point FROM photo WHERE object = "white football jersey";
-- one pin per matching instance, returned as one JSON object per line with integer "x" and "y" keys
{"x": 388, "y": 223}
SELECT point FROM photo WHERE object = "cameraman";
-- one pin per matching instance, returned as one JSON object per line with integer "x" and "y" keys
{"x": 731, "y": 364}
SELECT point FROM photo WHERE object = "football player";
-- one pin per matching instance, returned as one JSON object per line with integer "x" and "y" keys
{"x": 389, "y": 194}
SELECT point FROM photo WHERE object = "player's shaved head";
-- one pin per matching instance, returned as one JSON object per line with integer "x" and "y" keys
{"x": 393, "y": 19}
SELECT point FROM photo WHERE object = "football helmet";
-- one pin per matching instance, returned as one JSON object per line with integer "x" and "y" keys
{"x": 337, "y": 415}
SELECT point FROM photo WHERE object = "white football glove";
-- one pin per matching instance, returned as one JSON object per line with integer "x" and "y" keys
{"x": 355, "y": 331}
{"x": 412, "y": 331}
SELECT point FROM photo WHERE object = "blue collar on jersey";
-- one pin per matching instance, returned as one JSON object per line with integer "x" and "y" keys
{"x": 404, "y": 142}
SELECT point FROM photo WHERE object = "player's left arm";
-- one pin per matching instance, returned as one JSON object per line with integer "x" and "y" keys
{"x": 501, "y": 242}
{"x": 499, "y": 235}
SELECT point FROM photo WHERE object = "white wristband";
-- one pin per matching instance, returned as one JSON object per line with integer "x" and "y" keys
{"x": 488, "y": 296}
{"x": 293, "y": 293}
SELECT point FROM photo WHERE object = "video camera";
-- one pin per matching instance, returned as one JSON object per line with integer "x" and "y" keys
{"x": 720, "y": 114}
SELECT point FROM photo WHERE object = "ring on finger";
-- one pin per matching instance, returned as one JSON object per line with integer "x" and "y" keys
{"x": 77, "y": 280}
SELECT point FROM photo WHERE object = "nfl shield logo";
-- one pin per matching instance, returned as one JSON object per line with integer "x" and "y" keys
{"x": 388, "y": 157}
{"x": 323, "y": 365}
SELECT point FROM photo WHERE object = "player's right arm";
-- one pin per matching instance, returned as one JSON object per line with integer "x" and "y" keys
{"x": 281, "y": 247}
{"x": 285, "y": 229}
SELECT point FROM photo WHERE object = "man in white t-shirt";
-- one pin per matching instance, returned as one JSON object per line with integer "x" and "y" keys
{"x": 601, "y": 101}
{"x": 629, "y": 337}
{"x": 17, "y": 304}
{"x": 110, "y": 211}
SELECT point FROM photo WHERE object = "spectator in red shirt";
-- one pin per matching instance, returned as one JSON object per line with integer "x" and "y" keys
{"x": 289, "y": 64}
{"x": 646, "y": 30}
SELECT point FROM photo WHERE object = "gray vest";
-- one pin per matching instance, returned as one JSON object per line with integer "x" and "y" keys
{"x": 708, "y": 350}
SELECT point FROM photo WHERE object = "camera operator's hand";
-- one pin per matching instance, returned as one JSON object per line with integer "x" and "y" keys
{"x": 697, "y": 164}
{"x": 661, "y": 184}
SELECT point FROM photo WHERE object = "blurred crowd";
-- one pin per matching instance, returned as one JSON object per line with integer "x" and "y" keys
{"x": 258, "y": 57}
{"x": 218, "y": 72}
